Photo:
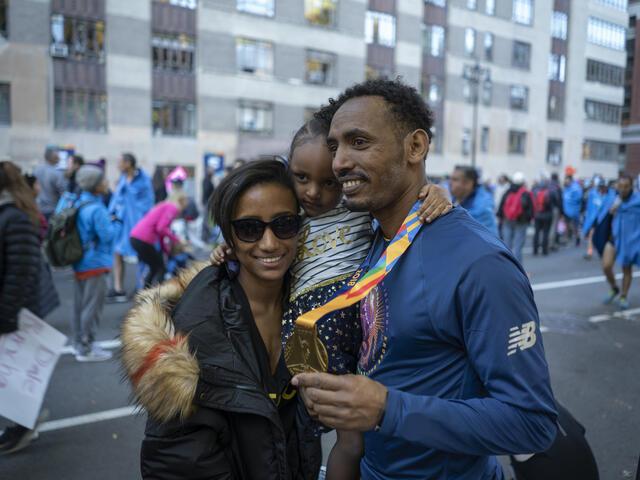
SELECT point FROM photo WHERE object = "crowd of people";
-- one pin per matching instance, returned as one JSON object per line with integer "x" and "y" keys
{"x": 333, "y": 302}
{"x": 603, "y": 213}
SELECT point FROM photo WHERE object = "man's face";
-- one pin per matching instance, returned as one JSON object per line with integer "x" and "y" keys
{"x": 460, "y": 185}
{"x": 123, "y": 165}
{"x": 567, "y": 181}
{"x": 624, "y": 187}
{"x": 368, "y": 156}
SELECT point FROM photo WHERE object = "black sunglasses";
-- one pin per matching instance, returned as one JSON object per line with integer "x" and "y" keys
{"x": 251, "y": 229}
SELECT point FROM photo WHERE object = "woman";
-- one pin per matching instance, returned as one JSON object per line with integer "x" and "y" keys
{"x": 19, "y": 268}
{"x": 154, "y": 227}
{"x": 206, "y": 362}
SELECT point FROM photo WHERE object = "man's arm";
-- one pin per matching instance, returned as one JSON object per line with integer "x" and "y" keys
{"x": 502, "y": 339}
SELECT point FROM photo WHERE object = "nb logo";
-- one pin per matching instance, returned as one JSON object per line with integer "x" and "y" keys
{"x": 522, "y": 338}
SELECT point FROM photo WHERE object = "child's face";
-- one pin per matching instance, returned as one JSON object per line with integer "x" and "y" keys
{"x": 316, "y": 187}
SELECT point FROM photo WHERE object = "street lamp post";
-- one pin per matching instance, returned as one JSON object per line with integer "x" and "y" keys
{"x": 475, "y": 74}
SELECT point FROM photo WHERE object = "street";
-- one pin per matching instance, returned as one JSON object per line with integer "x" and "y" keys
{"x": 94, "y": 433}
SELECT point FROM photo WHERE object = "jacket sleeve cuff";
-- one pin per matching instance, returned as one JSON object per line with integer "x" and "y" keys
{"x": 392, "y": 413}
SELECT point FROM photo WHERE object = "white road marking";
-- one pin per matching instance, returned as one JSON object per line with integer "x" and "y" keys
{"x": 108, "y": 344}
{"x": 575, "y": 282}
{"x": 544, "y": 329}
{"x": 626, "y": 314}
{"x": 89, "y": 418}
{"x": 600, "y": 318}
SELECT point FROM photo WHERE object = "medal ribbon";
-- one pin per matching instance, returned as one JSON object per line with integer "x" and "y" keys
{"x": 357, "y": 288}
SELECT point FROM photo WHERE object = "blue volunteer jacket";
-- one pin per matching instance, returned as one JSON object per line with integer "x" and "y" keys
{"x": 96, "y": 230}
{"x": 626, "y": 231}
{"x": 572, "y": 200}
{"x": 598, "y": 205}
{"x": 130, "y": 202}
{"x": 481, "y": 207}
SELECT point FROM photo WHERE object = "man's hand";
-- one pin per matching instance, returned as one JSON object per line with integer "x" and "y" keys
{"x": 436, "y": 202}
{"x": 346, "y": 402}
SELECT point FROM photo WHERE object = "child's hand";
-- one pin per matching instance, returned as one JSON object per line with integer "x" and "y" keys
{"x": 220, "y": 254}
{"x": 437, "y": 202}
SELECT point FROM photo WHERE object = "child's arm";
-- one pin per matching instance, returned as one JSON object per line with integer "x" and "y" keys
{"x": 344, "y": 460}
{"x": 220, "y": 254}
{"x": 436, "y": 202}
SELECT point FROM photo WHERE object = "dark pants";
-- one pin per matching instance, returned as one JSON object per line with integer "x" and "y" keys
{"x": 153, "y": 258}
{"x": 542, "y": 228}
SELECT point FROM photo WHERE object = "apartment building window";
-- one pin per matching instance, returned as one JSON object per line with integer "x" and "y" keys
{"x": 490, "y": 7}
{"x": 436, "y": 139}
{"x": 559, "y": 25}
{"x": 557, "y": 67}
{"x": 605, "y": 73}
{"x": 321, "y": 12}
{"x": 554, "y": 152}
{"x": 3, "y": 18}
{"x": 380, "y": 28}
{"x": 606, "y": 34}
{"x": 596, "y": 150}
{"x": 5, "y": 104}
{"x": 438, "y": 3}
{"x": 488, "y": 46}
{"x": 432, "y": 89}
{"x": 472, "y": 4}
{"x": 487, "y": 89}
{"x": 484, "y": 140}
{"x": 519, "y": 97}
{"x": 469, "y": 41}
{"x": 190, "y": 4}
{"x": 517, "y": 141}
{"x": 467, "y": 90}
{"x": 80, "y": 110}
{"x": 174, "y": 118}
{"x": 523, "y": 11}
{"x": 466, "y": 141}
{"x": 521, "y": 54}
{"x": 371, "y": 73}
{"x": 257, "y": 7}
{"x": 254, "y": 56}
{"x": 617, "y": 4}
{"x": 433, "y": 40}
{"x": 319, "y": 67}
{"x": 255, "y": 117}
{"x": 174, "y": 53}
{"x": 602, "y": 112}
{"x": 555, "y": 108}
{"x": 77, "y": 39}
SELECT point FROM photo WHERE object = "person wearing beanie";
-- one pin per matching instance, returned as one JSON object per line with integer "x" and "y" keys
{"x": 154, "y": 228}
{"x": 97, "y": 231}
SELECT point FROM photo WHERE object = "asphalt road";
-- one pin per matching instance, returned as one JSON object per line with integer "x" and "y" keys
{"x": 593, "y": 351}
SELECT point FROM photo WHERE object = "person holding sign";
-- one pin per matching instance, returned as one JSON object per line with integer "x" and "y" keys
{"x": 20, "y": 259}
{"x": 452, "y": 364}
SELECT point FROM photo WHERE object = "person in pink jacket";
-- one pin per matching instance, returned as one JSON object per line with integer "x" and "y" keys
{"x": 155, "y": 227}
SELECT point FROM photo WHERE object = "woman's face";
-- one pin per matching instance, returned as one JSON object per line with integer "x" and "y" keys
{"x": 268, "y": 258}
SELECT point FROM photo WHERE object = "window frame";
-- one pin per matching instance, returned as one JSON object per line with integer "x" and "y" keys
{"x": 430, "y": 32}
{"x": 469, "y": 34}
{"x": 256, "y": 106}
{"x": 260, "y": 46}
{"x": 520, "y": 148}
{"x": 4, "y": 29}
{"x": 74, "y": 98}
{"x": 520, "y": 103}
{"x": 332, "y": 57}
{"x": 176, "y": 125}
{"x": 5, "y": 91}
{"x": 552, "y": 160}
{"x": 332, "y": 14}
{"x": 517, "y": 50}
{"x": 522, "y": 12}
{"x": 75, "y": 33}
{"x": 372, "y": 29}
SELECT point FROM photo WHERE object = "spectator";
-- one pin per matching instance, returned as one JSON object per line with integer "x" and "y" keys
{"x": 475, "y": 198}
{"x": 132, "y": 199}
{"x": 76, "y": 162}
{"x": 159, "y": 189}
{"x": 52, "y": 182}
{"x": 571, "y": 207}
{"x": 516, "y": 210}
{"x": 555, "y": 198}
{"x": 544, "y": 214}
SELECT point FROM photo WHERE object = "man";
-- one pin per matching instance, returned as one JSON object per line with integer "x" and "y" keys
{"x": 132, "y": 198}
{"x": 52, "y": 182}
{"x": 571, "y": 207}
{"x": 544, "y": 204}
{"x": 443, "y": 383}
{"x": 626, "y": 235}
{"x": 555, "y": 196}
{"x": 475, "y": 198}
{"x": 516, "y": 212}
{"x": 76, "y": 162}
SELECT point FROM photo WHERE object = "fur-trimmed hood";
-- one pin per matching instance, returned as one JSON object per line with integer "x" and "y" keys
{"x": 158, "y": 362}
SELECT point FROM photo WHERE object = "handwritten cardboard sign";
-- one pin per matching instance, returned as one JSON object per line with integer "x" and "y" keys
{"x": 27, "y": 359}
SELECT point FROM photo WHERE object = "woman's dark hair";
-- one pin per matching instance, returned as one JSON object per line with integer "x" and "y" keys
{"x": 223, "y": 200}
{"x": 12, "y": 181}
{"x": 314, "y": 128}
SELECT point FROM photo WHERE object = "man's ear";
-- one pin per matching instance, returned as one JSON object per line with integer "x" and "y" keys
{"x": 416, "y": 146}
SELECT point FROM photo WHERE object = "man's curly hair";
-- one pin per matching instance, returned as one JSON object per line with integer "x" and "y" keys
{"x": 405, "y": 104}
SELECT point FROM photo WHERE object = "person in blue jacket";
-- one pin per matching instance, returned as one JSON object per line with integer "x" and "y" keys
{"x": 473, "y": 197}
{"x": 98, "y": 231}
{"x": 452, "y": 366}
{"x": 132, "y": 198}
{"x": 597, "y": 221}
{"x": 626, "y": 232}
{"x": 571, "y": 206}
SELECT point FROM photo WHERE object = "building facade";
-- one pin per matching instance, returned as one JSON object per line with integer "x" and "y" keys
{"x": 175, "y": 80}
{"x": 631, "y": 111}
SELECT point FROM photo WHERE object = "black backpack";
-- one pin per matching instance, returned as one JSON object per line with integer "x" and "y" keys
{"x": 63, "y": 245}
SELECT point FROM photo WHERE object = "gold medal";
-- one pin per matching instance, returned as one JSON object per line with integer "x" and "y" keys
{"x": 304, "y": 352}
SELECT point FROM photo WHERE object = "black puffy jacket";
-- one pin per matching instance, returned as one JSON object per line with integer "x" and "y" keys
{"x": 19, "y": 264}
{"x": 199, "y": 371}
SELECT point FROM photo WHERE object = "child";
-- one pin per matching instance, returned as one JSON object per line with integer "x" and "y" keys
{"x": 332, "y": 243}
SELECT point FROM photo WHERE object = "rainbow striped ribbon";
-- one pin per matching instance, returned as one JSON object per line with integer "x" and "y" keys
{"x": 360, "y": 287}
